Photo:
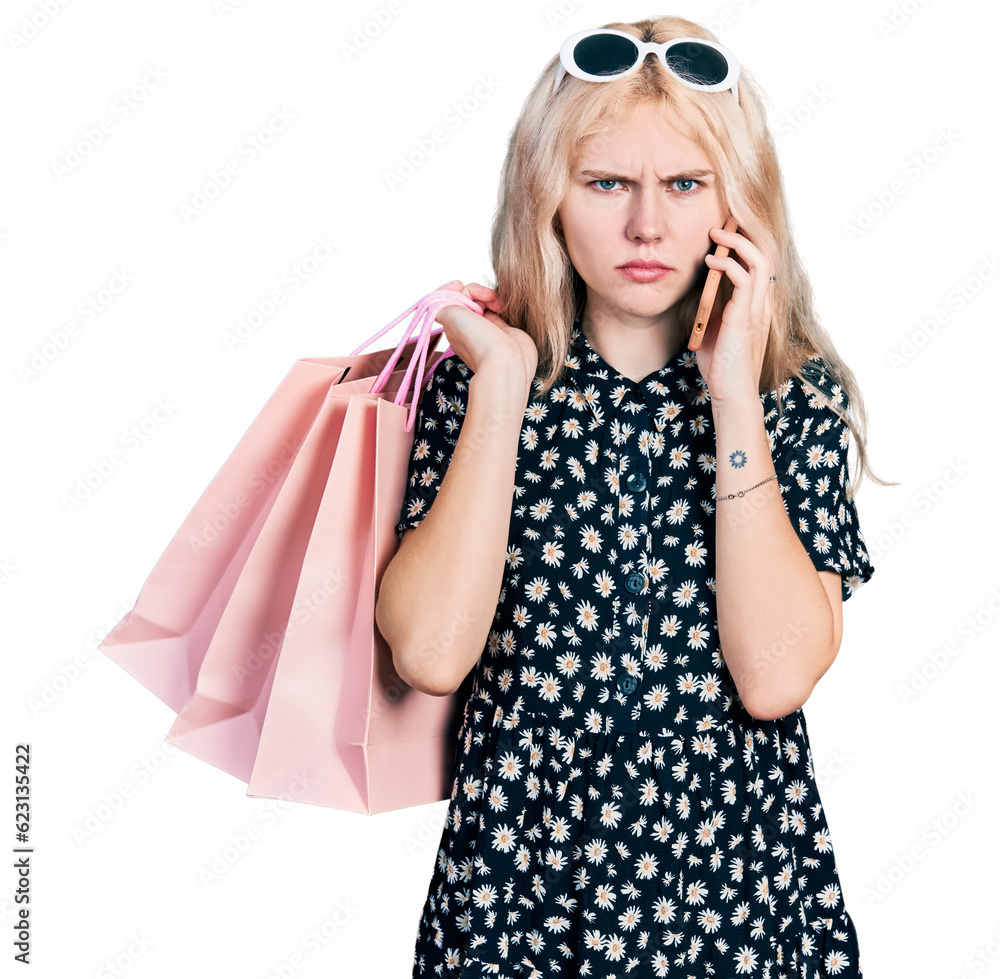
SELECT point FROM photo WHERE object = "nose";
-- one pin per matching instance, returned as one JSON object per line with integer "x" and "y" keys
{"x": 647, "y": 218}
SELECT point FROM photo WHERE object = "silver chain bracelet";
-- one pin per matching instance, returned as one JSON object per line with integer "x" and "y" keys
{"x": 732, "y": 496}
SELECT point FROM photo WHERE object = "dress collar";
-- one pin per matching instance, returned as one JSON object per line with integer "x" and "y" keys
{"x": 678, "y": 380}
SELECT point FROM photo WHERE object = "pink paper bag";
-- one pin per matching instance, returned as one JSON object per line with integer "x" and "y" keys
{"x": 341, "y": 728}
{"x": 162, "y": 641}
{"x": 314, "y": 486}
{"x": 222, "y": 720}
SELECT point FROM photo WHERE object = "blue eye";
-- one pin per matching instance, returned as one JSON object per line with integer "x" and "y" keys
{"x": 695, "y": 184}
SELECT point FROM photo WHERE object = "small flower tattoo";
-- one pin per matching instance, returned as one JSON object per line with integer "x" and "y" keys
{"x": 738, "y": 459}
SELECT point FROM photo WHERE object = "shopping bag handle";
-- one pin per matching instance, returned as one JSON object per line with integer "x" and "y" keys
{"x": 425, "y": 312}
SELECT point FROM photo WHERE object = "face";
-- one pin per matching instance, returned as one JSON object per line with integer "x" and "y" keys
{"x": 637, "y": 193}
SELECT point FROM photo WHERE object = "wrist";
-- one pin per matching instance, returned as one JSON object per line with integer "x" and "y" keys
{"x": 504, "y": 380}
{"x": 744, "y": 404}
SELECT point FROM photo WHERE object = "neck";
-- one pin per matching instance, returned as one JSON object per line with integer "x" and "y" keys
{"x": 634, "y": 348}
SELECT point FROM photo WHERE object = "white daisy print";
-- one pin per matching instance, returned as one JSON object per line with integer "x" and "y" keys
{"x": 614, "y": 808}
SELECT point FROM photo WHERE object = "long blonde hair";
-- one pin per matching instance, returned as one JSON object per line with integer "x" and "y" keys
{"x": 542, "y": 292}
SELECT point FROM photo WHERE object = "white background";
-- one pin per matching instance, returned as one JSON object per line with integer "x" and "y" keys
{"x": 908, "y": 781}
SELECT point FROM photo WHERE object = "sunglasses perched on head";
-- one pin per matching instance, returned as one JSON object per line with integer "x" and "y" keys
{"x": 603, "y": 54}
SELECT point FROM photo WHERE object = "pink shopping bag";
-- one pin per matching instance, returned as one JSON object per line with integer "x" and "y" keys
{"x": 222, "y": 720}
{"x": 162, "y": 641}
{"x": 341, "y": 728}
{"x": 214, "y": 618}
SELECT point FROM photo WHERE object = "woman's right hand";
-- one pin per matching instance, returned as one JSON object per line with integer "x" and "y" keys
{"x": 487, "y": 339}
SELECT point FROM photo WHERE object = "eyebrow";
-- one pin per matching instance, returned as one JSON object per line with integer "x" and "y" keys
{"x": 613, "y": 175}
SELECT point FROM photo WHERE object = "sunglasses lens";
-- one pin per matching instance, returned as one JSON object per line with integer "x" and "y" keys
{"x": 698, "y": 63}
{"x": 605, "y": 54}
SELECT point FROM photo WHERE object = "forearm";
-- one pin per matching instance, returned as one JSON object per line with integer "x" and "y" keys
{"x": 438, "y": 596}
{"x": 776, "y": 627}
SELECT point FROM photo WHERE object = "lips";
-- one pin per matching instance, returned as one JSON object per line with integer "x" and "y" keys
{"x": 643, "y": 264}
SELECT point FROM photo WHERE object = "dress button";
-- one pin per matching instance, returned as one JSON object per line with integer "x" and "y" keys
{"x": 627, "y": 683}
{"x": 634, "y": 582}
{"x": 636, "y": 482}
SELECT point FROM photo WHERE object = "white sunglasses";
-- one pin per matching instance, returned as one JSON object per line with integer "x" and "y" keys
{"x": 601, "y": 55}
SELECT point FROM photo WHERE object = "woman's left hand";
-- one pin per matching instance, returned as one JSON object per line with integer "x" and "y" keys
{"x": 731, "y": 354}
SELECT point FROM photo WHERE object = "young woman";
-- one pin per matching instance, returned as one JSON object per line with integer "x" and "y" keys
{"x": 631, "y": 557}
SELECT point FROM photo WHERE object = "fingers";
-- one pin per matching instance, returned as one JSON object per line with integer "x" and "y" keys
{"x": 476, "y": 291}
{"x": 749, "y": 292}
{"x": 747, "y": 267}
{"x": 483, "y": 295}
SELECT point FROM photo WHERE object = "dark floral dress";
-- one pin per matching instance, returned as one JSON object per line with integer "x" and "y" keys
{"x": 615, "y": 809}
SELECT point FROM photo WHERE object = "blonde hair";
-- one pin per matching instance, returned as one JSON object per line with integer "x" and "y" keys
{"x": 542, "y": 292}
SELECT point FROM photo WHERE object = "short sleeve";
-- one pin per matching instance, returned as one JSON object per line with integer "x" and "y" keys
{"x": 435, "y": 433}
{"x": 809, "y": 450}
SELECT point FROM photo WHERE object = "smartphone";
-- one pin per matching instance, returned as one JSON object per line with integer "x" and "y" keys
{"x": 709, "y": 292}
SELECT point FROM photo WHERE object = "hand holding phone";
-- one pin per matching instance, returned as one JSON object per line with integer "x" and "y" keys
{"x": 709, "y": 292}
